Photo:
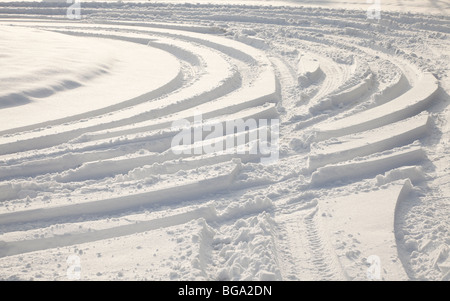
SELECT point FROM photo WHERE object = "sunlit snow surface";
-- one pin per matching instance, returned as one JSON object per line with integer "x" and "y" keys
{"x": 47, "y": 75}
{"x": 91, "y": 188}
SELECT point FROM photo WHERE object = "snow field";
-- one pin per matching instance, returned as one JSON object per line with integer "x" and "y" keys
{"x": 90, "y": 170}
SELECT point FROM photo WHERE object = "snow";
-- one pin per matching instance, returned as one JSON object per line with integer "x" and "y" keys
{"x": 93, "y": 185}
{"x": 364, "y": 224}
{"x": 365, "y": 166}
{"x": 403, "y": 106}
{"x": 56, "y": 86}
{"x": 364, "y": 143}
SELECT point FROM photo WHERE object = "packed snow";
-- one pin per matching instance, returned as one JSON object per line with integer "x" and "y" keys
{"x": 225, "y": 140}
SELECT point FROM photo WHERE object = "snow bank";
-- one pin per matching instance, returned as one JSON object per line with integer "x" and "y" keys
{"x": 361, "y": 229}
{"x": 365, "y": 143}
{"x": 308, "y": 70}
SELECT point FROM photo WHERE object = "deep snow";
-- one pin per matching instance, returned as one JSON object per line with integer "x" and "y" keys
{"x": 90, "y": 185}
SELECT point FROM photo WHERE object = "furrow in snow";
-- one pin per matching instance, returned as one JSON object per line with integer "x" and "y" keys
{"x": 178, "y": 191}
{"x": 365, "y": 143}
{"x": 367, "y": 167}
